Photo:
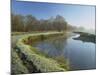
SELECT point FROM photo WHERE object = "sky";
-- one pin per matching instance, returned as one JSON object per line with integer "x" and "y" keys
{"x": 76, "y": 15}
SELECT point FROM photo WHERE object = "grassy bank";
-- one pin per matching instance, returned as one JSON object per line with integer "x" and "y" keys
{"x": 86, "y": 37}
{"x": 34, "y": 61}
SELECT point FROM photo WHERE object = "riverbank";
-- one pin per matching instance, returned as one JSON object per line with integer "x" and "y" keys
{"x": 86, "y": 37}
{"x": 32, "y": 60}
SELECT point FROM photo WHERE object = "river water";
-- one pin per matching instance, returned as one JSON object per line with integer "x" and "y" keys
{"x": 81, "y": 55}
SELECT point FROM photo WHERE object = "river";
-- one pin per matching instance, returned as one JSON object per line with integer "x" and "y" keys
{"x": 81, "y": 55}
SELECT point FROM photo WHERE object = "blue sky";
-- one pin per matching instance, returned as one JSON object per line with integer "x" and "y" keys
{"x": 76, "y": 15}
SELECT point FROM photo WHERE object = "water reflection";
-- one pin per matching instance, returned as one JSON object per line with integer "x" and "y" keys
{"x": 80, "y": 55}
{"x": 52, "y": 47}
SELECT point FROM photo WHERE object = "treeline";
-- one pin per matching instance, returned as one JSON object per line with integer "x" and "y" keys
{"x": 30, "y": 23}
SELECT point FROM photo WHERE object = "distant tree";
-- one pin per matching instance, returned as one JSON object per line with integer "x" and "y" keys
{"x": 29, "y": 23}
{"x": 60, "y": 23}
{"x": 17, "y": 22}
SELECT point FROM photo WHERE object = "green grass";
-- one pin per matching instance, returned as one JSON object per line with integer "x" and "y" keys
{"x": 41, "y": 61}
{"x": 17, "y": 64}
{"x": 63, "y": 62}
